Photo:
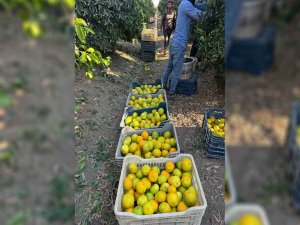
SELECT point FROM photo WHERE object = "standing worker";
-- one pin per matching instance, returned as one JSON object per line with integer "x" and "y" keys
{"x": 168, "y": 23}
{"x": 187, "y": 11}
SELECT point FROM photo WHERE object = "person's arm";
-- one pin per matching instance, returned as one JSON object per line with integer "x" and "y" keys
{"x": 193, "y": 12}
{"x": 163, "y": 21}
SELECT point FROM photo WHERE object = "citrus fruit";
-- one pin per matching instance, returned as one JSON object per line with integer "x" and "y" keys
{"x": 147, "y": 183}
{"x": 164, "y": 187}
{"x": 162, "y": 179}
{"x": 155, "y": 135}
{"x": 150, "y": 196}
{"x": 181, "y": 206}
{"x": 172, "y": 150}
{"x": 167, "y": 134}
{"x": 169, "y": 166}
{"x": 148, "y": 155}
{"x": 190, "y": 198}
{"x": 147, "y": 147}
{"x": 172, "y": 189}
{"x": 156, "y": 152}
{"x": 140, "y": 187}
{"x": 156, "y": 168}
{"x": 131, "y": 191}
{"x": 142, "y": 199}
{"x": 145, "y": 135}
{"x": 186, "y": 164}
{"x": 186, "y": 181}
{"x": 128, "y": 201}
{"x": 133, "y": 168}
{"x": 136, "y": 195}
{"x": 177, "y": 172}
{"x": 179, "y": 195}
{"x": 172, "y": 199}
{"x": 164, "y": 153}
{"x": 164, "y": 172}
{"x": 250, "y": 219}
{"x": 178, "y": 165}
{"x": 134, "y": 182}
{"x": 133, "y": 147}
{"x": 174, "y": 180}
{"x": 154, "y": 189}
{"x": 161, "y": 196}
{"x": 172, "y": 142}
{"x": 148, "y": 208}
{"x": 138, "y": 139}
{"x": 166, "y": 146}
{"x": 187, "y": 174}
{"x": 125, "y": 149}
{"x": 129, "y": 210}
{"x": 127, "y": 184}
{"x": 139, "y": 174}
{"x": 146, "y": 169}
{"x": 138, "y": 210}
{"x": 164, "y": 208}
{"x": 173, "y": 209}
{"x": 155, "y": 205}
{"x": 181, "y": 189}
{"x": 153, "y": 176}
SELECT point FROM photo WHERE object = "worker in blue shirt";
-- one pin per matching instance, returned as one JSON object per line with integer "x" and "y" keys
{"x": 187, "y": 11}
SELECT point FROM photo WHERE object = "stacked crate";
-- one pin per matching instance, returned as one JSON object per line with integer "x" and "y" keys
{"x": 148, "y": 45}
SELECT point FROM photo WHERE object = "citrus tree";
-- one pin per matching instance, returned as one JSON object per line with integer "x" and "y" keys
{"x": 113, "y": 20}
{"x": 210, "y": 33}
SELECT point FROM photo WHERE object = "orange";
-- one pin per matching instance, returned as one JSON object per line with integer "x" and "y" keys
{"x": 146, "y": 169}
{"x": 137, "y": 152}
{"x": 170, "y": 166}
{"x": 186, "y": 181}
{"x": 142, "y": 199}
{"x": 128, "y": 201}
{"x": 133, "y": 168}
{"x": 148, "y": 208}
{"x": 164, "y": 187}
{"x": 129, "y": 210}
{"x": 153, "y": 176}
{"x": 162, "y": 179}
{"x": 164, "y": 153}
{"x": 141, "y": 187}
{"x": 190, "y": 198}
{"x": 186, "y": 164}
{"x": 154, "y": 189}
{"x": 141, "y": 143}
{"x": 145, "y": 135}
{"x": 147, "y": 183}
{"x": 167, "y": 174}
{"x": 156, "y": 152}
{"x": 161, "y": 196}
{"x": 164, "y": 208}
{"x": 172, "y": 189}
{"x": 172, "y": 199}
{"x": 173, "y": 150}
{"x": 127, "y": 184}
{"x": 181, "y": 206}
{"x": 155, "y": 205}
{"x": 138, "y": 139}
{"x": 137, "y": 195}
{"x": 187, "y": 174}
{"x": 131, "y": 191}
{"x": 134, "y": 182}
{"x": 133, "y": 147}
{"x": 174, "y": 180}
{"x": 156, "y": 168}
{"x": 131, "y": 176}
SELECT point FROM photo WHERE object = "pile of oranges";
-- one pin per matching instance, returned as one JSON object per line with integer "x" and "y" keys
{"x": 150, "y": 190}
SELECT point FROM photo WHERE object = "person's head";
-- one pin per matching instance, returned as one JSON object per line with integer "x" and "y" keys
{"x": 192, "y": 1}
{"x": 170, "y": 4}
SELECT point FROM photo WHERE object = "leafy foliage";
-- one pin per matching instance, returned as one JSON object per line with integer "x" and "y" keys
{"x": 87, "y": 58}
{"x": 113, "y": 20}
{"x": 210, "y": 34}
{"x": 33, "y": 12}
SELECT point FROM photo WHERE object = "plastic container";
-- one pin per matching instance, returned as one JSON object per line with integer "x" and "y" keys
{"x": 230, "y": 184}
{"x": 128, "y": 111}
{"x": 192, "y": 216}
{"x": 126, "y": 131}
{"x": 252, "y": 19}
{"x": 149, "y": 35}
{"x": 148, "y": 46}
{"x": 160, "y": 91}
{"x": 187, "y": 87}
{"x": 148, "y": 56}
{"x": 137, "y": 84}
{"x": 236, "y": 211}
{"x": 217, "y": 113}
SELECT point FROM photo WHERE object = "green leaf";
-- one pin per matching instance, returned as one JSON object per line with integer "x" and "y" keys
{"x": 5, "y": 100}
{"x": 89, "y": 75}
{"x": 80, "y": 21}
{"x": 91, "y": 50}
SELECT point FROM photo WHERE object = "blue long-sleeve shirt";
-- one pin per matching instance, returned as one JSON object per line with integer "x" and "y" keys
{"x": 186, "y": 13}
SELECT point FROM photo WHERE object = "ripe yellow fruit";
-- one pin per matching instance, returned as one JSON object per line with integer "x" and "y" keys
{"x": 179, "y": 195}
{"x": 164, "y": 153}
{"x": 134, "y": 182}
{"x": 154, "y": 189}
{"x": 155, "y": 205}
{"x": 127, "y": 184}
{"x": 133, "y": 147}
{"x": 181, "y": 189}
{"x": 167, "y": 174}
{"x": 170, "y": 166}
{"x": 156, "y": 153}
{"x": 131, "y": 191}
{"x": 186, "y": 164}
{"x": 164, "y": 187}
{"x": 128, "y": 201}
{"x": 138, "y": 139}
{"x": 139, "y": 174}
{"x": 142, "y": 199}
{"x": 190, "y": 198}
{"x": 147, "y": 183}
{"x": 161, "y": 196}
{"x": 172, "y": 199}
{"x": 181, "y": 206}
{"x": 167, "y": 134}
{"x": 250, "y": 219}
{"x": 129, "y": 210}
{"x": 172, "y": 189}
{"x": 162, "y": 179}
{"x": 172, "y": 150}
{"x": 186, "y": 181}
{"x": 156, "y": 168}
{"x": 131, "y": 176}
{"x": 153, "y": 176}
{"x": 125, "y": 149}
{"x": 177, "y": 172}
{"x": 138, "y": 210}
{"x": 187, "y": 174}
{"x": 164, "y": 207}
{"x": 141, "y": 187}
{"x": 148, "y": 208}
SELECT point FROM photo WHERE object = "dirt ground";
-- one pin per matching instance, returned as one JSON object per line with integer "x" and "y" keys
{"x": 100, "y": 105}
{"x": 36, "y": 130}
{"x": 257, "y": 113}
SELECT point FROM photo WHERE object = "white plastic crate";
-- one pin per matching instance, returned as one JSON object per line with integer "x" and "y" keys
{"x": 160, "y": 91}
{"x": 231, "y": 188}
{"x": 235, "y": 213}
{"x": 192, "y": 216}
{"x": 127, "y": 131}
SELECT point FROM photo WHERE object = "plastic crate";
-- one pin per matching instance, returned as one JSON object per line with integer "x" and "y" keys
{"x": 235, "y": 212}
{"x": 137, "y": 84}
{"x": 231, "y": 187}
{"x": 148, "y": 46}
{"x": 217, "y": 113}
{"x": 160, "y": 91}
{"x": 148, "y": 56}
{"x": 215, "y": 153}
{"x": 187, "y": 87}
{"x": 192, "y": 216}
{"x": 128, "y": 111}
{"x": 126, "y": 131}
{"x": 253, "y": 55}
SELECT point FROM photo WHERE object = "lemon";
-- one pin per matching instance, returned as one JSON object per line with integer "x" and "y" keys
{"x": 186, "y": 181}
{"x": 250, "y": 219}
